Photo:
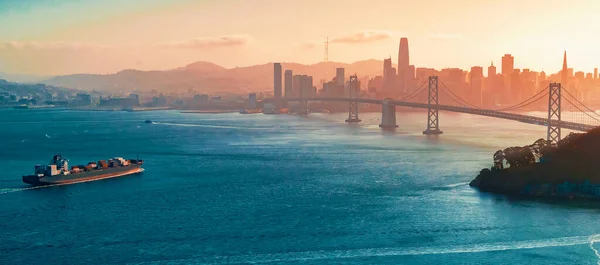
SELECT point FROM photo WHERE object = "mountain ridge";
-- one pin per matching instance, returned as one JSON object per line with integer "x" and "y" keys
{"x": 207, "y": 77}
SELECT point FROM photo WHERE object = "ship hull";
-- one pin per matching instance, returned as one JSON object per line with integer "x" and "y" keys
{"x": 86, "y": 176}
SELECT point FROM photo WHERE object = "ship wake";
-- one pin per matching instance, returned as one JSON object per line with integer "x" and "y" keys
{"x": 11, "y": 190}
{"x": 207, "y": 126}
{"x": 391, "y": 252}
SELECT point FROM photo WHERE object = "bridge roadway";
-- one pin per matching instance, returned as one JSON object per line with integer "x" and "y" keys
{"x": 482, "y": 112}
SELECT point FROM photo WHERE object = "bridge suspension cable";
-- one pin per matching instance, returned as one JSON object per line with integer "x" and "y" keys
{"x": 580, "y": 113}
{"x": 581, "y": 103}
{"x": 415, "y": 93}
{"x": 575, "y": 107}
{"x": 458, "y": 99}
{"x": 538, "y": 96}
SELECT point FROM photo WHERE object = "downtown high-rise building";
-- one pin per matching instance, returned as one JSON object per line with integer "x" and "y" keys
{"x": 404, "y": 64}
{"x": 492, "y": 93}
{"x": 476, "y": 82}
{"x": 508, "y": 64}
{"x": 595, "y": 73}
{"x": 277, "y": 81}
{"x": 389, "y": 75}
{"x": 403, "y": 56}
{"x": 565, "y": 73}
{"x": 306, "y": 87}
{"x": 340, "y": 76}
{"x": 476, "y": 72}
{"x": 508, "y": 68}
{"x": 288, "y": 82}
{"x": 296, "y": 85}
{"x": 491, "y": 70}
{"x": 303, "y": 86}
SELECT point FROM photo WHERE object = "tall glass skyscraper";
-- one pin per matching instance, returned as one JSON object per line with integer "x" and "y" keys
{"x": 403, "y": 64}
{"x": 277, "y": 80}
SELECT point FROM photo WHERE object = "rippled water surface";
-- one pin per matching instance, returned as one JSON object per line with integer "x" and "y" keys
{"x": 231, "y": 188}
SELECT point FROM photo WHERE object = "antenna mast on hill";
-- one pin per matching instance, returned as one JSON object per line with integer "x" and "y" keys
{"x": 327, "y": 49}
{"x": 326, "y": 59}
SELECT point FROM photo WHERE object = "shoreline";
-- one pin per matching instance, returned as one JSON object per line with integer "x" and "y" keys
{"x": 209, "y": 111}
{"x": 563, "y": 170}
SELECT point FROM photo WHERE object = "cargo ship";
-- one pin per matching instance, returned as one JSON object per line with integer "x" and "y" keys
{"x": 58, "y": 172}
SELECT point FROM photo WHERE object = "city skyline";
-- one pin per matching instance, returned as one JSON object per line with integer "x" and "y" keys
{"x": 62, "y": 37}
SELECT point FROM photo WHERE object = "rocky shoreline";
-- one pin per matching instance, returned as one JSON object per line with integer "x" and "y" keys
{"x": 568, "y": 169}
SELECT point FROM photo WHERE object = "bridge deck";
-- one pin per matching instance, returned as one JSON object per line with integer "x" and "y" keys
{"x": 482, "y": 112}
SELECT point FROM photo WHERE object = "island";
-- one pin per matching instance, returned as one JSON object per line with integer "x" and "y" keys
{"x": 567, "y": 169}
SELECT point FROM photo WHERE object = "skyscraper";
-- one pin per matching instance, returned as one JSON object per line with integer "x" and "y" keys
{"x": 508, "y": 64}
{"x": 403, "y": 57}
{"x": 491, "y": 71}
{"x": 296, "y": 85}
{"x": 476, "y": 72}
{"x": 595, "y": 73}
{"x": 389, "y": 75}
{"x": 277, "y": 81}
{"x": 306, "y": 86}
{"x": 491, "y": 95}
{"x": 339, "y": 76}
{"x": 403, "y": 64}
{"x": 387, "y": 63}
{"x": 564, "y": 73}
{"x": 476, "y": 82}
{"x": 288, "y": 83}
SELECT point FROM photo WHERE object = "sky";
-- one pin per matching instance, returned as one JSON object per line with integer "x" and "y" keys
{"x": 56, "y": 37}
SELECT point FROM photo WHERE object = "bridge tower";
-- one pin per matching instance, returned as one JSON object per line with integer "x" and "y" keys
{"x": 554, "y": 102}
{"x": 432, "y": 110}
{"x": 388, "y": 115}
{"x": 353, "y": 87}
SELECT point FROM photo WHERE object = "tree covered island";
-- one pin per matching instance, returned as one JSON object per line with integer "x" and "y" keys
{"x": 569, "y": 168}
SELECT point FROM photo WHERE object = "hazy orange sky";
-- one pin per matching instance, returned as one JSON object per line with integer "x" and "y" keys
{"x": 50, "y": 37}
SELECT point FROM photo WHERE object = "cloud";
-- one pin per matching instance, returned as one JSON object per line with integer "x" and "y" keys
{"x": 363, "y": 37}
{"x": 309, "y": 45}
{"x": 446, "y": 36}
{"x": 355, "y": 38}
{"x": 48, "y": 46}
{"x": 209, "y": 42}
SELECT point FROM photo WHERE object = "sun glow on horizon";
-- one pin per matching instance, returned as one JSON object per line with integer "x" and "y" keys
{"x": 105, "y": 37}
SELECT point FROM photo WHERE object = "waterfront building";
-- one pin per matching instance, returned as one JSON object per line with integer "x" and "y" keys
{"x": 252, "y": 101}
{"x": 340, "y": 76}
{"x": 288, "y": 81}
{"x": 277, "y": 81}
{"x": 83, "y": 99}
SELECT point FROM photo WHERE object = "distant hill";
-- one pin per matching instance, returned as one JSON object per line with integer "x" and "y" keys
{"x": 22, "y": 78}
{"x": 208, "y": 77}
{"x": 40, "y": 91}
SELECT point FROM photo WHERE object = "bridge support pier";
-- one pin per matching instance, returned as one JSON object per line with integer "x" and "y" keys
{"x": 353, "y": 112}
{"x": 432, "y": 112}
{"x": 303, "y": 108}
{"x": 388, "y": 115}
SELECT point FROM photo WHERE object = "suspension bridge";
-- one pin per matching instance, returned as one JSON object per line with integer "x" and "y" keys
{"x": 576, "y": 115}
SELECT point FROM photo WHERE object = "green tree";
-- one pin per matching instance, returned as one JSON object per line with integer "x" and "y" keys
{"x": 499, "y": 159}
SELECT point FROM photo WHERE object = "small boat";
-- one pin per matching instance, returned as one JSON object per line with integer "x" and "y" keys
{"x": 148, "y": 121}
